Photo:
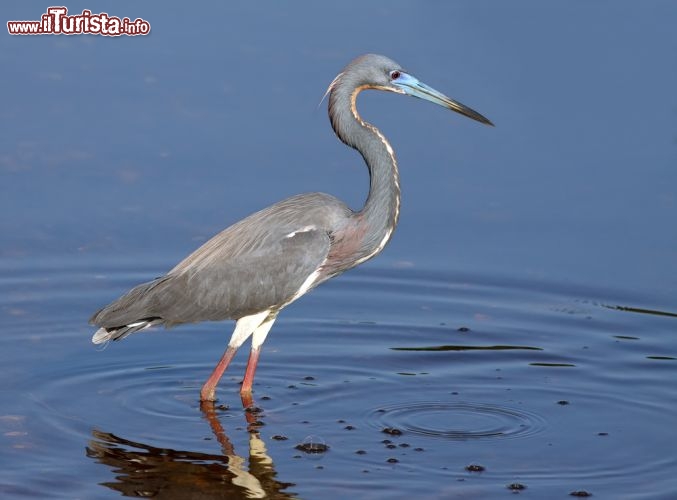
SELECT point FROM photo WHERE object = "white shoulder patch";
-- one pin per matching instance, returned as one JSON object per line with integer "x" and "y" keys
{"x": 304, "y": 229}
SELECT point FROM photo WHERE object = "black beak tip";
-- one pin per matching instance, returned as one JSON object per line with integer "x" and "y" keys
{"x": 478, "y": 117}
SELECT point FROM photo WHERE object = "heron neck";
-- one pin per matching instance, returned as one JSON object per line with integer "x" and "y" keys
{"x": 380, "y": 213}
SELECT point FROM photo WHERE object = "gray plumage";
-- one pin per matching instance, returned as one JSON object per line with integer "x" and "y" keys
{"x": 268, "y": 259}
{"x": 254, "y": 268}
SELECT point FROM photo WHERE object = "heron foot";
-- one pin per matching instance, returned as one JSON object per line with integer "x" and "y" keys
{"x": 247, "y": 399}
{"x": 208, "y": 394}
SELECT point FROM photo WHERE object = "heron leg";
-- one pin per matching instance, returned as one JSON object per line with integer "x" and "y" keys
{"x": 249, "y": 373}
{"x": 208, "y": 391}
{"x": 243, "y": 330}
{"x": 258, "y": 338}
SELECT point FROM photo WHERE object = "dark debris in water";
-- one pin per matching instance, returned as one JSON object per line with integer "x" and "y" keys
{"x": 463, "y": 329}
{"x": 580, "y": 494}
{"x": 393, "y": 431}
{"x": 253, "y": 427}
{"x": 279, "y": 437}
{"x": 642, "y": 310}
{"x": 469, "y": 348}
{"x": 516, "y": 487}
{"x": 563, "y": 402}
{"x": 554, "y": 365}
{"x": 475, "y": 468}
{"x": 312, "y": 447}
{"x": 392, "y": 460}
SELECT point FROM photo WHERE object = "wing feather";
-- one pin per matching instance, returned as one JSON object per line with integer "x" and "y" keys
{"x": 262, "y": 262}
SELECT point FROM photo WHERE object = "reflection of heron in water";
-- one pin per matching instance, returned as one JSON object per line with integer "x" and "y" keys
{"x": 256, "y": 267}
{"x": 166, "y": 473}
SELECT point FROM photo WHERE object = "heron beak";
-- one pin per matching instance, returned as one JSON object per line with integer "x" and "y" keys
{"x": 410, "y": 85}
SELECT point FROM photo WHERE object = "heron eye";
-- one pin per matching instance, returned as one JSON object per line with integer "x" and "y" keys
{"x": 394, "y": 75}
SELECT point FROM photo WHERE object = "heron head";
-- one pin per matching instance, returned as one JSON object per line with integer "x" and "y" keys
{"x": 379, "y": 72}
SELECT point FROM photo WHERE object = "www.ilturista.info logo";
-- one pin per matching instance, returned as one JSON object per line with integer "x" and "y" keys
{"x": 56, "y": 21}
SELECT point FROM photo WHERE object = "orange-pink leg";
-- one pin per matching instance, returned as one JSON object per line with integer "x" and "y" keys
{"x": 251, "y": 370}
{"x": 256, "y": 325}
{"x": 247, "y": 402}
{"x": 208, "y": 391}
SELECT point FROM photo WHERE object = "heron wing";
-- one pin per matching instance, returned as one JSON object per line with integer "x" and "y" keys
{"x": 226, "y": 287}
{"x": 262, "y": 262}
{"x": 266, "y": 278}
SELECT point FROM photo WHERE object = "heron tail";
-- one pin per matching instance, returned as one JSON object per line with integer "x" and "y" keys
{"x": 134, "y": 311}
{"x": 120, "y": 332}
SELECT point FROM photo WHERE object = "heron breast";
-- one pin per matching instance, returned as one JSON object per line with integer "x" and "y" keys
{"x": 346, "y": 249}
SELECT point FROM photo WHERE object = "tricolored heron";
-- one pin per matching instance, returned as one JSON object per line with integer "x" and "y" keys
{"x": 250, "y": 271}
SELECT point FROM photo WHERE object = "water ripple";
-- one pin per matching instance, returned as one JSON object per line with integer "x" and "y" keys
{"x": 458, "y": 421}
{"x": 333, "y": 367}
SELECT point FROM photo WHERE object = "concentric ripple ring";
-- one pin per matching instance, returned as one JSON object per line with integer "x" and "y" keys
{"x": 458, "y": 420}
